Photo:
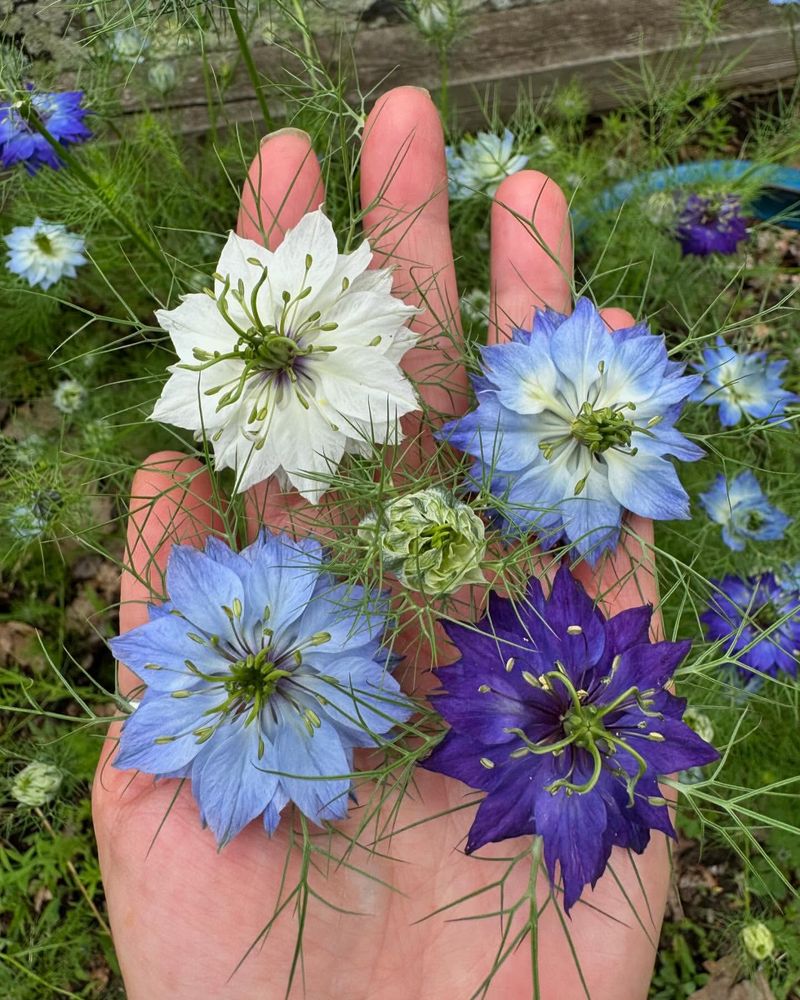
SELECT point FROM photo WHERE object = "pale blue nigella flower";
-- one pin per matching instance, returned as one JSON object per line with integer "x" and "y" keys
{"x": 573, "y": 427}
{"x": 478, "y": 165}
{"x": 44, "y": 253}
{"x": 742, "y": 384}
{"x": 788, "y": 578}
{"x": 743, "y": 511}
{"x": 263, "y": 674}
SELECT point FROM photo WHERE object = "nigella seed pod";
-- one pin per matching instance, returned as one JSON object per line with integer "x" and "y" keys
{"x": 431, "y": 541}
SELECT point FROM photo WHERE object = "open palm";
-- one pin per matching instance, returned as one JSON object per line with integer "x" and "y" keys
{"x": 183, "y": 914}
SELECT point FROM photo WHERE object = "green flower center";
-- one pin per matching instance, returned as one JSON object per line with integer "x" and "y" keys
{"x": 436, "y": 536}
{"x": 253, "y": 680}
{"x": 43, "y": 243}
{"x": 583, "y": 727}
{"x": 603, "y": 428}
{"x": 767, "y": 616}
{"x": 755, "y": 520}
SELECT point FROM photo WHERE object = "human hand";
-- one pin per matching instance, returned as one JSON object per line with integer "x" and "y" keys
{"x": 184, "y": 914}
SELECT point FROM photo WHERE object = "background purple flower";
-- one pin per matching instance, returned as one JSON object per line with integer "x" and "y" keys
{"x": 761, "y": 620}
{"x": 561, "y": 716}
{"x": 62, "y": 116}
{"x": 711, "y": 225}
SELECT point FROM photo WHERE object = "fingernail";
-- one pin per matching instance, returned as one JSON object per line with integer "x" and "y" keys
{"x": 286, "y": 131}
{"x": 422, "y": 90}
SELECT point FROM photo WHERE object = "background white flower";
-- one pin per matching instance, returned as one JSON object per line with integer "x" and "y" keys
{"x": 44, "y": 252}
{"x": 69, "y": 396}
{"x": 292, "y": 360}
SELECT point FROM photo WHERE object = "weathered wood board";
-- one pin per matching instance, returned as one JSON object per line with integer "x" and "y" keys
{"x": 600, "y": 43}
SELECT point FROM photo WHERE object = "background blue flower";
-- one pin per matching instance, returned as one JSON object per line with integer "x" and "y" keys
{"x": 561, "y": 716}
{"x": 742, "y": 384}
{"x": 573, "y": 427}
{"x": 740, "y": 506}
{"x": 44, "y": 253}
{"x": 62, "y": 116}
{"x": 477, "y": 166}
{"x": 760, "y": 619}
{"x": 263, "y": 674}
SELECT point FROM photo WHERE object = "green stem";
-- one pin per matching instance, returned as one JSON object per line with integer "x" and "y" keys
{"x": 250, "y": 66}
{"x": 82, "y": 174}
{"x": 588, "y": 785}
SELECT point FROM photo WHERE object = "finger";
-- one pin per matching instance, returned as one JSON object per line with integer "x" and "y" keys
{"x": 531, "y": 256}
{"x": 283, "y": 184}
{"x": 172, "y": 502}
{"x": 404, "y": 194}
{"x": 626, "y": 577}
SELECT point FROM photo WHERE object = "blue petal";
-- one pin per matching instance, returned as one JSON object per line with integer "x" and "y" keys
{"x": 358, "y": 698}
{"x": 647, "y": 485}
{"x": 160, "y": 716}
{"x": 201, "y": 588}
{"x": 311, "y": 761}
{"x": 574, "y": 829}
{"x": 282, "y": 579}
{"x": 229, "y": 781}
{"x": 158, "y": 650}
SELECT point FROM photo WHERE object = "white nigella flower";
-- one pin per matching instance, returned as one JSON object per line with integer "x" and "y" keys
{"x": 128, "y": 44}
{"x": 69, "y": 396}
{"x": 162, "y": 77}
{"x": 292, "y": 360}
{"x": 44, "y": 252}
{"x": 475, "y": 306}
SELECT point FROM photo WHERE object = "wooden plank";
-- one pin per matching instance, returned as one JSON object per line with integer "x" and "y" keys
{"x": 533, "y": 47}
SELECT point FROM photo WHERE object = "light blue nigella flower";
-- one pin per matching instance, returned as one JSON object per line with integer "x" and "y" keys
{"x": 263, "y": 673}
{"x": 788, "y": 578}
{"x": 742, "y": 385}
{"x": 44, "y": 253}
{"x": 479, "y": 164}
{"x": 783, "y": 3}
{"x": 744, "y": 512}
{"x": 573, "y": 427}
{"x": 62, "y": 116}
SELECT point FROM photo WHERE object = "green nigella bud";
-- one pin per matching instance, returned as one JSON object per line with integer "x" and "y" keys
{"x": 758, "y": 940}
{"x": 700, "y": 723}
{"x": 431, "y": 541}
{"x": 36, "y": 784}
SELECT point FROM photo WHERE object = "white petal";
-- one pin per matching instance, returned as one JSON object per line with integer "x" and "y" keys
{"x": 196, "y": 322}
{"x": 361, "y": 384}
{"x": 234, "y": 262}
{"x": 183, "y": 402}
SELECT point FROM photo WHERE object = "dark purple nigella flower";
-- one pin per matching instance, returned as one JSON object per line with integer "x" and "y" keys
{"x": 762, "y": 619}
{"x": 560, "y": 715}
{"x": 62, "y": 116}
{"x": 711, "y": 225}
